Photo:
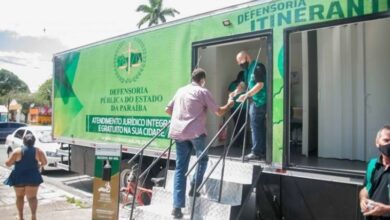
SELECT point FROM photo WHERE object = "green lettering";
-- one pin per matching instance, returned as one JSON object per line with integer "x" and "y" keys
{"x": 284, "y": 18}
{"x": 289, "y": 5}
{"x": 316, "y": 10}
{"x": 335, "y": 9}
{"x": 375, "y": 5}
{"x": 273, "y": 8}
{"x": 258, "y": 12}
{"x": 299, "y": 15}
{"x": 266, "y": 10}
{"x": 280, "y": 6}
{"x": 240, "y": 19}
{"x": 272, "y": 21}
{"x": 261, "y": 22}
{"x": 301, "y": 3}
{"x": 352, "y": 7}
{"x": 246, "y": 16}
{"x": 253, "y": 28}
{"x": 253, "y": 13}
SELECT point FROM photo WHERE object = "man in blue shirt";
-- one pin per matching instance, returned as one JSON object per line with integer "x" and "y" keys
{"x": 254, "y": 78}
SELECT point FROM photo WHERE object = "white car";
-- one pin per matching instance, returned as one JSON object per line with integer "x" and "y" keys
{"x": 43, "y": 140}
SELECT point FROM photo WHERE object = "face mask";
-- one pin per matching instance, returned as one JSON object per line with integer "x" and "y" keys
{"x": 244, "y": 65}
{"x": 385, "y": 149}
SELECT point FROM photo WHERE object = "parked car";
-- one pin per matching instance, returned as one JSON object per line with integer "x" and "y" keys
{"x": 43, "y": 140}
{"x": 6, "y": 128}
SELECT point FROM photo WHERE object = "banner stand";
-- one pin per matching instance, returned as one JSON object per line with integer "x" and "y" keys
{"x": 106, "y": 182}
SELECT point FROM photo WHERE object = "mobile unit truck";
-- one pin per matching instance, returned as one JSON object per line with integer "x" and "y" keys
{"x": 327, "y": 85}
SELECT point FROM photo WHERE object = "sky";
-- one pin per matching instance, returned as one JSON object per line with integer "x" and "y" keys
{"x": 31, "y": 31}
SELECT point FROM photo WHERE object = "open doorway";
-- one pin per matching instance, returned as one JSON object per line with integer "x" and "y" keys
{"x": 338, "y": 94}
{"x": 218, "y": 58}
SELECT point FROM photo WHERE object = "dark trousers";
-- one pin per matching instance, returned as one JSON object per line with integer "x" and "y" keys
{"x": 239, "y": 120}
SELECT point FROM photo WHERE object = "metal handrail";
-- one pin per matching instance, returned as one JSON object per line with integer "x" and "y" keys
{"x": 140, "y": 153}
{"x": 157, "y": 159}
{"x": 219, "y": 160}
{"x": 223, "y": 156}
{"x": 212, "y": 140}
{"x": 147, "y": 144}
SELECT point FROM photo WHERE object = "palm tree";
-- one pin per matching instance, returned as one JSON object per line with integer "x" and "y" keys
{"x": 154, "y": 13}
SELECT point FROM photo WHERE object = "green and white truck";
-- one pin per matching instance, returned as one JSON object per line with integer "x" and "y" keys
{"x": 327, "y": 83}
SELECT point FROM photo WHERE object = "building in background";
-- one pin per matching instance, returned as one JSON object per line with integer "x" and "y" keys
{"x": 15, "y": 110}
{"x": 40, "y": 115}
{"x": 3, "y": 113}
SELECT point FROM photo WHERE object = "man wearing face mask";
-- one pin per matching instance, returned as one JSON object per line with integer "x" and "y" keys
{"x": 375, "y": 196}
{"x": 254, "y": 78}
{"x": 188, "y": 109}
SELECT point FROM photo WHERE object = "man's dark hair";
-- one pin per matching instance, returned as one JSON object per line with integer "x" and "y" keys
{"x": 198, "y": 74}
{"x": 29, "y": 140}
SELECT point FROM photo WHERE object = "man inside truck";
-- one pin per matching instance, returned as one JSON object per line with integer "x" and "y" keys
{"x": 254, "y": 78}
{"x": 188, "y": 109}
{"x": 375, "y": 196}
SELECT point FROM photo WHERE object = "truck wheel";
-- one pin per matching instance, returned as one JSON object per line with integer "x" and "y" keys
{"x": 9, "y": 151}
{"x": 123, "y": 177}
{"x": 128, "y": 173}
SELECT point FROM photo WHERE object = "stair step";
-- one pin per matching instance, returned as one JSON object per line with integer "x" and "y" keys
{"x": 156, "y": 213}
{"x": 162, "y": 199}
{"x": 237, "y": 178}
{"x": 235, "y": 171}
{"x": 232, "y": 193}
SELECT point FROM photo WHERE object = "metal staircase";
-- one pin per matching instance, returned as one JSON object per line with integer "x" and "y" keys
{"x": 225, "y": 190}
{"x": 236, "y": 186}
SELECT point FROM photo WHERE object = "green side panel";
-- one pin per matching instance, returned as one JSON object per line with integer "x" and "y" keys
{"x": 127, "y": 79}
{"x": 132, "y": 78}
{"x": 65, "y": 98}
{"x": 278, "y": 97}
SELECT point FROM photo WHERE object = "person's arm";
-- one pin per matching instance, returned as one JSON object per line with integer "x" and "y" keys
{"x": 363, "y": 197}
{"x": 251, "y": 92}
{"x": 223, "y": 109}
{"x": 41, "y": 157}
{"x": 169, "y": 108}
{"x": 260, "y": 77}
{"x": 239, "y": 89}
{"x": 370, "y": 207}
{"x": 12, "y": 158}
{"x": 209, "y": 103}
{"x": 376, "y": 209}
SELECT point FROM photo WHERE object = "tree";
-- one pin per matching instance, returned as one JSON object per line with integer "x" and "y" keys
{"x": 10, "y": 82}
{"x": 43, "y": 95}
{"x": 155, "y": 13}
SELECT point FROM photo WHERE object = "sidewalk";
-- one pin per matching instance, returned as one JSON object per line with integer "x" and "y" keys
{"x": 53, "y": 203}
